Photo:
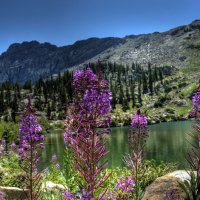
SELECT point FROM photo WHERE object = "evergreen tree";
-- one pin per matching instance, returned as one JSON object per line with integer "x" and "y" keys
{"x": 28, "y": 85}
{"x": 155, "y": 74}
{"x": 145, "y": 86}
{"x": 150, "y": 79}
{"x": 2, "y": 104}
{"x": 48, "y": 111}
{"x": 161, "y": 75}
{"x": 139, "y": 92}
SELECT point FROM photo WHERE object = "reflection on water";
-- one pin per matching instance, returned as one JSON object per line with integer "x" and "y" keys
{"x": 167, "y": 142}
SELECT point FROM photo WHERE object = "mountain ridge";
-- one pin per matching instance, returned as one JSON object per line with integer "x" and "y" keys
{"x": 33, "y": 60}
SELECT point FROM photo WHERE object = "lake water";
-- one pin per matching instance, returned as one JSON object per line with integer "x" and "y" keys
{"x": 166, "y": 142}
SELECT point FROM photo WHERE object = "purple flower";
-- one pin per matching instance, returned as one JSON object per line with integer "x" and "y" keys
{"x": 88, "y": 111}
{"x": 54, "y": 161}
{"x": 196, "y": 97}
{"x": 57, "y": 165}
{"x": 68, "y": 196}
{"x": 102, "y": 197}
{"x": 29, "y": 134}
{"x": 96, "y": 100}
{"x": 127, "y": 185}
{"x": 139, "y": 120}
{"x": 86, "y": 196}
{"x": 13, "y": 147}
{"x": 196, "y": 104}
{"x": 30, "y": 146}
{"x": 54, "y": 158}
{"x": 83, "y": 78}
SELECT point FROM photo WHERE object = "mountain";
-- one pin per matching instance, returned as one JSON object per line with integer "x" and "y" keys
{"x": 178, "y": 47}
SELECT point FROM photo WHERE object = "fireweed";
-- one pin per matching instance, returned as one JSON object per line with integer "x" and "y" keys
{"x": 123, "y": 189}
{"x": 192, "y": 187}
{"x": 89, "y": 111}
{"x": 137, "y": 140}
{"x": 30, "y": 146}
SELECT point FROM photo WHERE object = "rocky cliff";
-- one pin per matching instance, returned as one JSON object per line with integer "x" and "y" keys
{"x": 33, "y": 60}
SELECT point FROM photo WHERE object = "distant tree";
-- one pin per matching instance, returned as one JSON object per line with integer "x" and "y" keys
{"x": 28, "y": 85}
{"x": 161, "y": 75}
{"x": 155, "y": 74}
{"x": 125, "y": 105}
{"x": 150, "y": 79}
{"x": 139, "y": 92}
{"x": 48, "y": 111}
{"x": 2, "y": 104}
{"x": 144, "y": 80}
{"x": 133, "y": 66}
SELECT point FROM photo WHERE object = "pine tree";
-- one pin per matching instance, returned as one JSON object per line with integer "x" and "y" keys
{"x": 145, "y": 86}
{"x": 150, "y": 79}
{"x": 48, "y": 111}
{"x": 139, "y": 92}
{"x": 2, "y": 104}
{"x": 161, "y": 75}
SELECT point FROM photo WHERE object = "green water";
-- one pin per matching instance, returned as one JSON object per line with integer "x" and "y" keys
{"x": 166, "y": 141}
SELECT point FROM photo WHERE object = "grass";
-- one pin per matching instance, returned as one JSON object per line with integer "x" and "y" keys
{"x": 189, "y": 90}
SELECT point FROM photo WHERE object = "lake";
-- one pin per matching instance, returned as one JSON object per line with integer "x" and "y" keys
{"x": 166, "y": 142}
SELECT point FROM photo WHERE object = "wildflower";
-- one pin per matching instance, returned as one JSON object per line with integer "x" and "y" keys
{"x": 196, "y": 103}
{"x": 68, "y": 196}
{"x": 13, "y": 147}
{"x": 196, "y": 97}
{"x": 102, "y": 197}
{"x": 89, "y": 110}
{"x": 54, "y": 158}
{"x": 30, "y": 146}
{"x": 54, "y": 161}
{"x": 57, "y": 165}
{"x": 127, "y": 185}
{"x": 139, "y": 120}
{"x": 86, "y": 196}
{"x": 137, "y": 139}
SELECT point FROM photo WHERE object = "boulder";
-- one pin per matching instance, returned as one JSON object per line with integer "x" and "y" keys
{"x": 162, "y": 185}
{"x": 13, "y": 193}
{"x": 53, "y": 187}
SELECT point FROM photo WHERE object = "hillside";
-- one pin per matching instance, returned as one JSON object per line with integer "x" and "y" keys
{"x": 163, "y": 94}
{"x": 178, "y": 47}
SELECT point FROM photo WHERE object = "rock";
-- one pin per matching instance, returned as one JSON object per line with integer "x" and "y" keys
{"x": 180, "y": 102}
{"x": 170, "y": 111}
{"x": 54, "y": 187}
{"x": 157, "y": 190}
{"x": 32, "y": 60}
{"x": 13, "y": 193}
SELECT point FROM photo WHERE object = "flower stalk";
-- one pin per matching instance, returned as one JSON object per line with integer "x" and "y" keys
{"x": 89, "y": 111}
{"x": 30, "y": 146}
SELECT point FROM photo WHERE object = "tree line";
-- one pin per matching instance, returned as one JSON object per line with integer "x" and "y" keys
{"x": 128, "y": 84}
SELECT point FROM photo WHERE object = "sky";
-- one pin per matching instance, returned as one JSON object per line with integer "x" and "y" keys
{"x": 62, "y": 22}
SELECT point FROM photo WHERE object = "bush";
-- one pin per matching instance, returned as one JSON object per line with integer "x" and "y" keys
{"x": 9, "y": 131}
{"x": 10, "y": 172}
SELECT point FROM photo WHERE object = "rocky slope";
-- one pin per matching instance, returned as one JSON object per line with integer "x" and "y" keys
{"x": 31, "y": 60}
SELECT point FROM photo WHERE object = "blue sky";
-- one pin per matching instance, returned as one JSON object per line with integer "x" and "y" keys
{"x": 63, "y": 22}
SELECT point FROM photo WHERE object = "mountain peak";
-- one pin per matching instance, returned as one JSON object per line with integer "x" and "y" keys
{"x": 33, "y": 60}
